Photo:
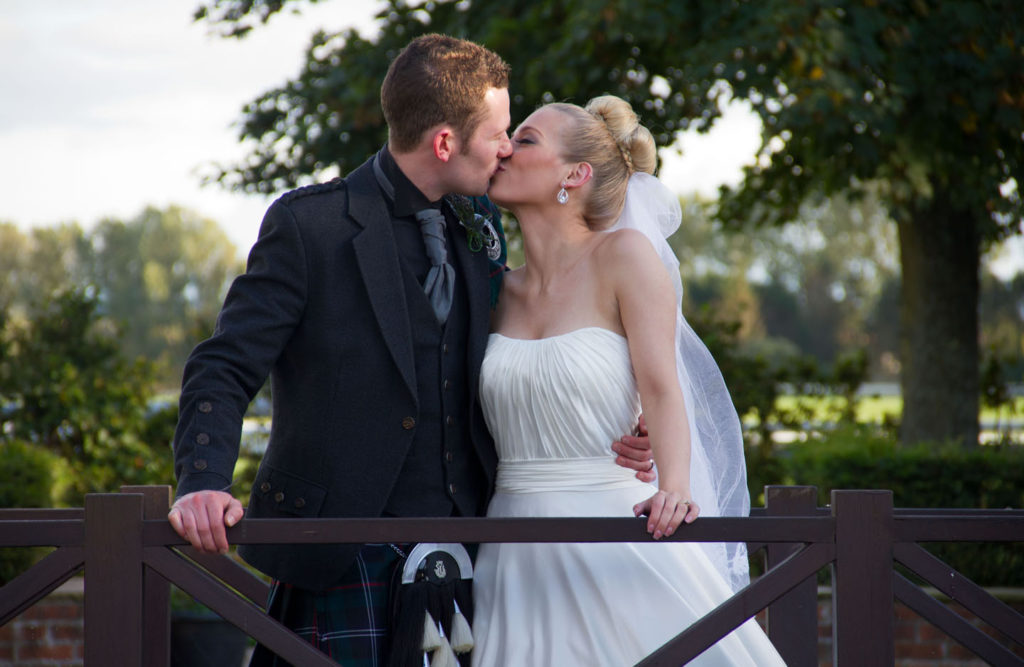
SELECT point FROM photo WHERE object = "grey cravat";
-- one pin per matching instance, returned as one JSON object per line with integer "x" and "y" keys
{"x": 440, "y": 283}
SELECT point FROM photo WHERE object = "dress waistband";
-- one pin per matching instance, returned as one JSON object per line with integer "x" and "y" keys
{"x": 574, "y": 474}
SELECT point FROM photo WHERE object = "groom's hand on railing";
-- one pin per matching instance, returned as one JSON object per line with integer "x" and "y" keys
{"x": 200, "y": 517}
{"x": 634, "y": 452}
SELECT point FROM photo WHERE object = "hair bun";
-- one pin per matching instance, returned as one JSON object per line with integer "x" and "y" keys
{"x": 633, "y": 139}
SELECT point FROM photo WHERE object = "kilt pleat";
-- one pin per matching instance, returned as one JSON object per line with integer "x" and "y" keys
{"x": 348, "y": 622}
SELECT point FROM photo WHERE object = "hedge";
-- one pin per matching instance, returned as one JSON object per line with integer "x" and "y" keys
{"x": 925, "y": 475}
{"x": 26, "y": 480}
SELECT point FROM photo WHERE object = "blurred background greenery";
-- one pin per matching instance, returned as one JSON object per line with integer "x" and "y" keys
{"x": 846, "y": 285}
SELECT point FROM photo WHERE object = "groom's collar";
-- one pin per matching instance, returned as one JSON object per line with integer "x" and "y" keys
{"x": 407, "y": 199}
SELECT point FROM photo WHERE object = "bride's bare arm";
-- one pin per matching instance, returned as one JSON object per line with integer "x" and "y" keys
{"x": 647, "y": 309}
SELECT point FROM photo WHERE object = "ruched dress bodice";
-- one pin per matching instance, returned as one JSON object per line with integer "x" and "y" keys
{"x": 566, "y": 396}
{"x": 554, "y": 406}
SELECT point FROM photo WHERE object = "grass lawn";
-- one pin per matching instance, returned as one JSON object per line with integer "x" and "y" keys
{"x": 874, "y": 409}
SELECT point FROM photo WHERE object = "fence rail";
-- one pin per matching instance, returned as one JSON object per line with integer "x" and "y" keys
{"x": 131, "y": 556}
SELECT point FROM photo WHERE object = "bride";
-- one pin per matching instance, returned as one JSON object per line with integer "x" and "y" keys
{"x": 587, "y": 330}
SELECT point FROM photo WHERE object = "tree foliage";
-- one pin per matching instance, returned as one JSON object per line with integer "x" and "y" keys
{"x": 66, "y": 387}
{"x": 40, "y": 262}
{"x": 909, "y": 95}
{"x": 92, "y": 324}
{"x": 814, "y": 283}
{"x": 160, "y": 276}
{"x": 918, "y": 101}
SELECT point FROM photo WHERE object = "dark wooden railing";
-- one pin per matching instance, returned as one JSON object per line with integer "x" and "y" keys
{"x": 131, "y": 557}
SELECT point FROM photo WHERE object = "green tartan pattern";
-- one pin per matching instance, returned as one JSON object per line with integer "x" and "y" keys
{"x": 486, "y": 208}
{"x": 348, "y": 622}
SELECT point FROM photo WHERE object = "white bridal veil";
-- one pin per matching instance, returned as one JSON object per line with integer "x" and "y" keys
{"x": 718, "y": 474}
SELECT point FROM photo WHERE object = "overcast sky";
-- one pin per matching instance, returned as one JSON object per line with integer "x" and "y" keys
{"x": 111, "y": 105}
{"x": 107, "y": 106}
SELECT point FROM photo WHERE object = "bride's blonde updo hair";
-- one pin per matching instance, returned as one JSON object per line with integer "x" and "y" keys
{"x": 608, "y": 135}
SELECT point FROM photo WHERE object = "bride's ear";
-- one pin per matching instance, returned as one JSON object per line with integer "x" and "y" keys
{"x": 580, "y": 174}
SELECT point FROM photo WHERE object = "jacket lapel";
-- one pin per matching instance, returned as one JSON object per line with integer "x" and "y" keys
{"x": 377, "y": 257}
{"x": 474, "y": 272}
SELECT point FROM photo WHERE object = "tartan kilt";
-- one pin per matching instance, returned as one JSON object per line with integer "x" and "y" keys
{"x": 348, "y": 622}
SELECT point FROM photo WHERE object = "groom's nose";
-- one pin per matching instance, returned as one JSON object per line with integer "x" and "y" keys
{"x": 505, "y": 146}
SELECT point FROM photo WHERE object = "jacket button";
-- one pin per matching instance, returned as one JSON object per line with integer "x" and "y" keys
{"x": 279, "y": 496}
{"x": 265, "y": 487}
{"x": 444, "y": 348}
{"x": 449, "y": 457}
{"x": 446, "y": 384}
{"x": 202, "y": 439}
{"x": 408, "y": 423}
{"x": 449, "y": 420}
{"x": 300, "y": 503}
{"x": 452, "y": 488}
{"x": 205, "y": 407}
{"x": 199, "y": 464}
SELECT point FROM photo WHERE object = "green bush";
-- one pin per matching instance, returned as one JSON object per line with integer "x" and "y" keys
{"x": 926, "y": 475}
{"x": 66, "y": 386}
{"x": 26, "y": 480}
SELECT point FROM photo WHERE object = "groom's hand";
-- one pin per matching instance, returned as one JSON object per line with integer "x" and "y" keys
{"x": 200, "y": 518}
{"x": 634, "y": 452}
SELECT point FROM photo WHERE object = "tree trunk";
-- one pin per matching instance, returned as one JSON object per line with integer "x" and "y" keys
{"x": 940, "y": 254}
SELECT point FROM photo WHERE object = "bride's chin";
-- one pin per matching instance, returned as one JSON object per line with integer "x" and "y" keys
{"x": 495, "y": 196}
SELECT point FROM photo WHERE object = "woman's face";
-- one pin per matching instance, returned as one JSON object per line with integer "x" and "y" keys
{"x": 535, "y": 170}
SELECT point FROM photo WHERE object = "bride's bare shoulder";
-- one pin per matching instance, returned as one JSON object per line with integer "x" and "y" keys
{"x": 626, "y": 246}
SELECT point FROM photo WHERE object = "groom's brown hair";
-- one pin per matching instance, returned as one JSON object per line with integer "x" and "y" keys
{"x": 438, "y": 79}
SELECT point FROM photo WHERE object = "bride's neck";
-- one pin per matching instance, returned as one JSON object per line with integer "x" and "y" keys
{"x": 554, "y": 241}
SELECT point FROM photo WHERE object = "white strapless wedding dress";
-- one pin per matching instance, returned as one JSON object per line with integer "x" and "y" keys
{"x": 554, "y": 406}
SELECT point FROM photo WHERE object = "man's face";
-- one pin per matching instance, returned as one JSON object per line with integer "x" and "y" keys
{"x": 477, "y": 159}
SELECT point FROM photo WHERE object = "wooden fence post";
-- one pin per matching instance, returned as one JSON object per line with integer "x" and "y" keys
{"x": 862, "y": 581}
{"x": 156, "y": 591}
{"x": 793, "y": 618}
{"x": 113, "y": 579}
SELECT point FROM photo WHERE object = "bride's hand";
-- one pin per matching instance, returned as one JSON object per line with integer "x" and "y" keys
{"x": 665, "y": 510}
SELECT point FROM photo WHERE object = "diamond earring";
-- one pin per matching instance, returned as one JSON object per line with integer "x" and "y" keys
{"x": 563, "y": 196}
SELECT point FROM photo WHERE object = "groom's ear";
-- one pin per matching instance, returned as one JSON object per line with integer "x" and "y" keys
{"x": 580, "y": 174}
{"x": 444, "y": 143}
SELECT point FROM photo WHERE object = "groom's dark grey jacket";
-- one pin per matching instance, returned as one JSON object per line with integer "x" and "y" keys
{"x": 322, "y": 310}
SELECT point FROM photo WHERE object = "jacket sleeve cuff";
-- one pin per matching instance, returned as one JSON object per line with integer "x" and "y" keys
{"x": 202, "y": 481}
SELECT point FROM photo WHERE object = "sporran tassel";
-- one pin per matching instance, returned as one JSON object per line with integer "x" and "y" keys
{"x": 462, "y": 635}
{"x": 431, "y": 637}
{"x": 444, "y": 656}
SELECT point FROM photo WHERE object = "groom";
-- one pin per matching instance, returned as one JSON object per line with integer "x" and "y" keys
{"x": 372, "y": 326}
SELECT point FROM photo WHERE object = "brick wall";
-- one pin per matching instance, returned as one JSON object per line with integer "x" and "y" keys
{"x": 50, "y": 634}
{"x": 918, "y": 643}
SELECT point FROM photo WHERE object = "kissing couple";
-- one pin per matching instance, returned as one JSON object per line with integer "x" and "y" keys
{"x": 413, "y": 375}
